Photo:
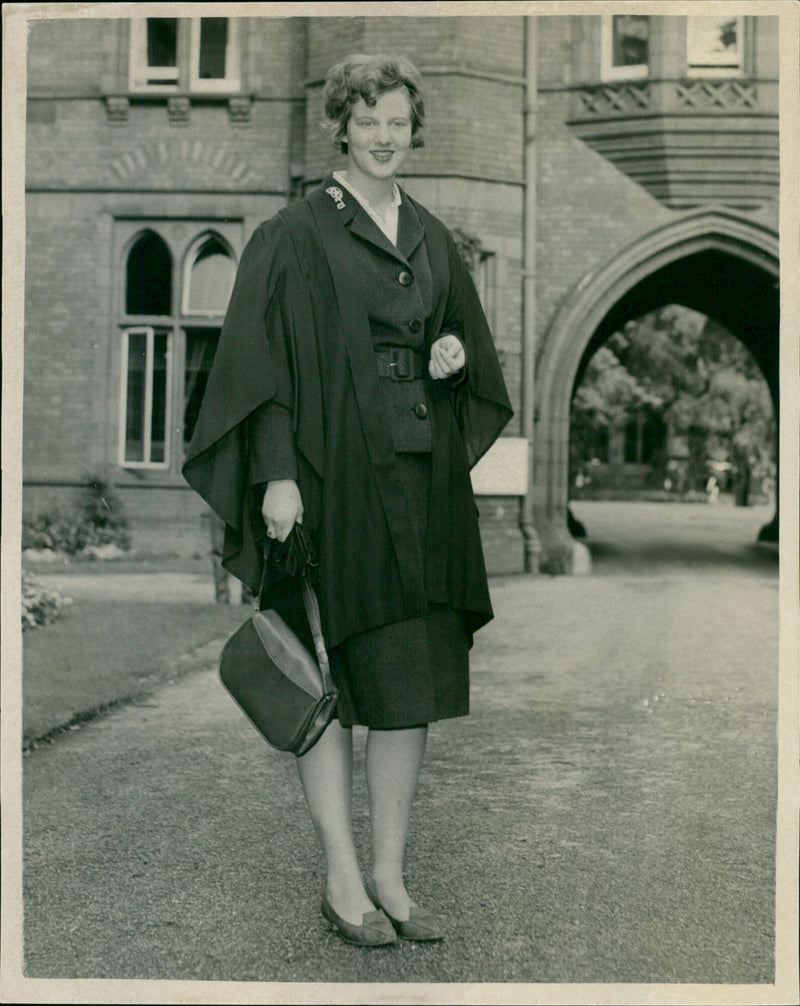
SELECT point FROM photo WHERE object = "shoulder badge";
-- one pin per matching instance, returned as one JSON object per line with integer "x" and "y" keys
{"x": 336, "y": 195}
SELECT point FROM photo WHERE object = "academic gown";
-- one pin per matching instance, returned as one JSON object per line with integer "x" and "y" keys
{"x": 296, "y": 333}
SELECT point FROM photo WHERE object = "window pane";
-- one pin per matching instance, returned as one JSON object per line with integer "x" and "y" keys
{"x": 201, "y": 344}
{"x": 213, "y": 40}
{"x": 211, "y": 279}
{"x": 158, "y": 424}
{"x": 714, "y": 41}
{"x": 149, "y": 277}
{"x": 135, "y": 397}
{"x": 162, "y": 41}
{"x": 631, "y": 40}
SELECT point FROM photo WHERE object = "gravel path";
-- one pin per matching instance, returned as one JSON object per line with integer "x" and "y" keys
{"x": 607, "y": 814}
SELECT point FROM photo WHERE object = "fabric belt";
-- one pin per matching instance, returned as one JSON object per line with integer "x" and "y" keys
{"x": 400, "y": 363}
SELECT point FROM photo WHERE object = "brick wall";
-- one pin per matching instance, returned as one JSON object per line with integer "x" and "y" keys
{"x": 148, "y": 153}
{"x": 474, "y": 43}
{"x": 87, "y": 51}
{"x": 587, "y": 210}
{"x": 84, "y": 171}
{"x": 66, "y": 335}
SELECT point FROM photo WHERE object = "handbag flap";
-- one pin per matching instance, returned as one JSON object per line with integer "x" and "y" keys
{"x": 287, "y": 653}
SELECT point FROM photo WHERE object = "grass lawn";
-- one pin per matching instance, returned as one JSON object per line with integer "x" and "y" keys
{"x": 102, "y": 653}
{"x": 136, "y": 563}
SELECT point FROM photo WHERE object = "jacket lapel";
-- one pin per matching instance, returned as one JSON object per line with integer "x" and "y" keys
{"x": 364, "y": 227}
{"x": 352, "y": 214}
{"x": 410, "y": 231}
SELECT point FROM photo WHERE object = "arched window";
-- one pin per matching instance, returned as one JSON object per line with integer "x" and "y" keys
{"x": 148, "y": 288}
{"x": 146, "y": 354}
{"x": 170, "y": 321}
{"x": 209, "y": 279}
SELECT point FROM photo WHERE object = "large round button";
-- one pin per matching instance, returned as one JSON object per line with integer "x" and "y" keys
{"x": 415, "y": 324}
{"x": 421, "y": 410}
{"x": 404, "y": 279}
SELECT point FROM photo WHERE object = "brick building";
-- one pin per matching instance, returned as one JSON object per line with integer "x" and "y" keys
{"x": 598, "y": 166}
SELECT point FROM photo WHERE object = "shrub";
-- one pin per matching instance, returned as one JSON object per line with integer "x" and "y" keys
{"x": 98, "y": 520}
{"x": 40, "y": 605}
{"x": 101, "y": 507}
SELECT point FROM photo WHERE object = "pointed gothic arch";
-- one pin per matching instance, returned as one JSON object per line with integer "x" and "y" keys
{"x": 699, "y": 260}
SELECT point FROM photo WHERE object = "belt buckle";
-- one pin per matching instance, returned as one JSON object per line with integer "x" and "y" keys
{"x": 401, "y": 364}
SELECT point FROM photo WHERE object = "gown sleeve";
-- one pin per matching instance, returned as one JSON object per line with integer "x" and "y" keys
{"x": 252, "y": 366}
{"x": 272, "y": 450}
{"x": 481, "y": 402}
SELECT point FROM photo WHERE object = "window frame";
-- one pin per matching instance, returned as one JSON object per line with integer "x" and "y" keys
{"x": 710, "y": 67}
{"x": 186, "y": 325}
{"x": 486, "y": 283}
{"x": 140, "y": 70}
{"x": 147, "y": 438}
{"x": 232, "y": 79}
{"x": 187, "y": 58}
{"x": 609, "y": 72}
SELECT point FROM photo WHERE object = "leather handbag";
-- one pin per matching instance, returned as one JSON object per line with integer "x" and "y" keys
{"x": 286, "y": 692}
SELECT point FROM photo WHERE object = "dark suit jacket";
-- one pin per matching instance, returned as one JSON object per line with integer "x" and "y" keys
{"x": 397, "y": 312}
{"x": 298, "y": 333}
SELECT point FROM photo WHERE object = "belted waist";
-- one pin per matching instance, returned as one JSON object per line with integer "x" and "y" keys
{"x": 400, "y": 363}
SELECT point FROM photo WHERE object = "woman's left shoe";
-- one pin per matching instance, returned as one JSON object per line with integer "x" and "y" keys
{"x": 420, "y": 924}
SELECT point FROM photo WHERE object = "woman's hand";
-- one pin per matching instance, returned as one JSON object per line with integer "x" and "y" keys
{"x": 282, "y": 508}
{"x": 447, "y": 357}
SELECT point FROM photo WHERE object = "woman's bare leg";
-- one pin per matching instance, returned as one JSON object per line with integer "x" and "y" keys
{"x": 326, "y": 773}
{"x": 393, "y": 763}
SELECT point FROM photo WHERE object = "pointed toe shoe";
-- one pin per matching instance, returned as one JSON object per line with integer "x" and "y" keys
{"x": 375, "y": 930}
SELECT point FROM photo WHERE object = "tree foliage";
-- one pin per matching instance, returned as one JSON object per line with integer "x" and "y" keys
{"x": 692, "y": 372}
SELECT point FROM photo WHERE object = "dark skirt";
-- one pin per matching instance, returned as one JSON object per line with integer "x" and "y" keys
{"x": 411, "y": 672}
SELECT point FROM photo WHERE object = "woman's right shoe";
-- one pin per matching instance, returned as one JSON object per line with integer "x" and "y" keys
{"x": 375, "y": 929}
{"x": 421, "y": 925}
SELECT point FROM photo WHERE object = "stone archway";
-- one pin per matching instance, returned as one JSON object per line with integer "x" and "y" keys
{"x": 712, "y": 260}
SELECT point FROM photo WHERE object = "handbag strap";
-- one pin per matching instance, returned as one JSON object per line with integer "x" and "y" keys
{"x": 311, "y": 604}
{"x": 312, "y": 610}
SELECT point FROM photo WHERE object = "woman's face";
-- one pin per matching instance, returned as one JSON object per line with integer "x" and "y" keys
{"x": 379, "y": 136}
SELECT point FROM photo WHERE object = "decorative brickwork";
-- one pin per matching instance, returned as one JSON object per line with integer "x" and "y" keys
{"x": 118, "y": 109}
{"x": 676, "y": 155}
{"x": 178, "y": 110}
{"x": 160, "y": 157}
{"x": 723, "y": 95}
{"x": 240, "y": 111}
{"x": 615, "y": 99}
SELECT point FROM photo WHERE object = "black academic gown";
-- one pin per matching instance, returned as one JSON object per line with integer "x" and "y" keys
{"x": 296, "y": 333}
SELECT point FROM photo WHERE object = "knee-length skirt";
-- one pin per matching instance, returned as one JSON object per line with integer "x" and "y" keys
{"x": 410, "y": 672}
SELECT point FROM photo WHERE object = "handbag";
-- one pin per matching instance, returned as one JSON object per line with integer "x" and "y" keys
{"x": 286, "y": 692}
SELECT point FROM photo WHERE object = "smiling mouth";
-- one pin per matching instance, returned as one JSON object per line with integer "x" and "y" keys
{"x": 382, "y": 155}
